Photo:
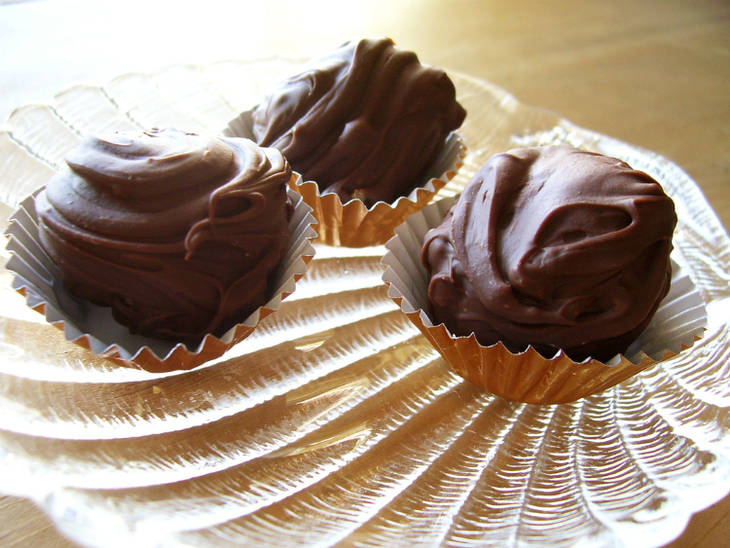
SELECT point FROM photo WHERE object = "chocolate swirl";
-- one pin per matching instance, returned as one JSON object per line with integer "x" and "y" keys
{"x": 178, "y": 233}
{"x": 553, "y": 247}
{"x": 364, "y": 122}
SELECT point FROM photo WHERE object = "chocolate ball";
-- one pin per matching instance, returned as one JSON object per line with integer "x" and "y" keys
{"x": 176, "y": 232}
{"x": 365, "y": 121}
{"x": 552, "y": 247}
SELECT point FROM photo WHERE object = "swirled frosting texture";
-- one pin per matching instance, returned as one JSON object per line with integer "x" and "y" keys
{"x": 364, "y": 122}
{"x": 177, "y": 232}
{"x": 553, "y": 247}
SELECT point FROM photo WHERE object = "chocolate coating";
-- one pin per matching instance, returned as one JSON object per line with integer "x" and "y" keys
{"x": 364, "y": 122}
{"x": 178, "y": 233}
{"x": 553, "y": 247}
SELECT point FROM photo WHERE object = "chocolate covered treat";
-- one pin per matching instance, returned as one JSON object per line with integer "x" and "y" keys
{"x": 177, "y": 232}
{"x": 364, "y": 122}
{"x": 552, "y": 247}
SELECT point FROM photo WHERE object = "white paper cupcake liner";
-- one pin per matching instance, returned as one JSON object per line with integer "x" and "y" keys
{"x": 527, "y": 376}
{"x": 352, "y": 224}
{"x": 94, "y": 328}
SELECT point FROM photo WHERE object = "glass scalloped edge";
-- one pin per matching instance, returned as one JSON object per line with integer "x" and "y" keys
{"x": 93, "y": 327}
{"x": 527, "y": 376}
{"x": 353, "y": 224}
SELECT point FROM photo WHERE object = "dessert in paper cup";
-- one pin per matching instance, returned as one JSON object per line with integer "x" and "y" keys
{"x": 549, "y": 279}
{"x": 164, "y": 249}
{"x": 371, "y": 130}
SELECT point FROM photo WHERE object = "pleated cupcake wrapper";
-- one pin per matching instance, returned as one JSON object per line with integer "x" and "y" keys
{"x": 352, "y": 224}
{"x": 93, "y": 327}
{"x": 528, "y": 376}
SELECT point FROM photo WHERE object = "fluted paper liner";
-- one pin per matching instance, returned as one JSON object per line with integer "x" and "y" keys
{"x": 353, "y": 224}
{"x": 93, "y": 327}
{"x": 528, "y": 376}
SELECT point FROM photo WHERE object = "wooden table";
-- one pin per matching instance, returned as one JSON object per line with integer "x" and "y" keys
{"x": 655, "y": 74}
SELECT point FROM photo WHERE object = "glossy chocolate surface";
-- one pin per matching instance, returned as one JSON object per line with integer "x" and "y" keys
{"x": 177, "y": 232}
{"x": 364, "y": 122}
{"x": 553, "y": 247}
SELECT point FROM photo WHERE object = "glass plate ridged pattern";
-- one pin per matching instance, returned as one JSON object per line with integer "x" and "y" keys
{"x": 336, "y": 422}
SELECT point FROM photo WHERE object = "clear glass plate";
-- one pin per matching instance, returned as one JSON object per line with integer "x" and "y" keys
{"x": 336, "y": 422}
